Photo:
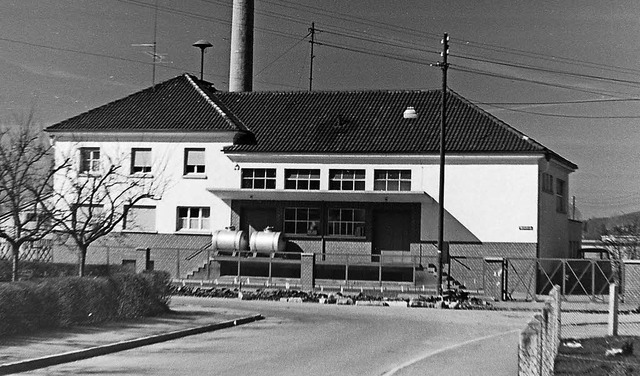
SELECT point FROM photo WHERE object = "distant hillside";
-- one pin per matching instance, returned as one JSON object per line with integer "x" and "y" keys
{"x": 595, "y": 227}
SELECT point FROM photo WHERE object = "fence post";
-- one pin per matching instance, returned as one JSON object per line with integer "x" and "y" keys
{"x": 613, "y": 310}
{"x": 557, "y": 315}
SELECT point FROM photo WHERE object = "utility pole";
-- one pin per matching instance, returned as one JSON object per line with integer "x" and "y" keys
{"x": 312, "y": 31}
{"x": 443, "y": 117}
{"x": 155, "y": 44}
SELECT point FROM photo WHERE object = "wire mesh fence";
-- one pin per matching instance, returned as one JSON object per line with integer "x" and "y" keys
{"x": 539, "y": 341}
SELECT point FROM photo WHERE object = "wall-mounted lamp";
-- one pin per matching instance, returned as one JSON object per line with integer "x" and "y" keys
{"x": 410, "y": 113}
{"x": 237, "y": 167}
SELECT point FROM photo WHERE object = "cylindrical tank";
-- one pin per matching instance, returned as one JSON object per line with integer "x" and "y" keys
{"x": 267, "y": 241}
{"x": 230, "y": 240}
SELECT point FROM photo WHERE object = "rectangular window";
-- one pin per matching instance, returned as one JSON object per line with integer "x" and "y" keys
{"x": 303, "y": 221}
{"x": 547, "y": 183}
{"x": 345, "y": 222}
{"x": 140, "y": 161}
{"x": 259, "y": 178}
{"x": 561, "y": 196}
{"x": 346, "y": 180}
{"x": 302, "y": 179}
{"x": 193, "y": 161}
{"x": 392, "y": 180}
{"x": 193, "y": 218}
{"x": 140, "y": 218}
{"x": 89, "y": 160}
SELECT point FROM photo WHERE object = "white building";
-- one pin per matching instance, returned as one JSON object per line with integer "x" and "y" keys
{"x": 336, "y": 172}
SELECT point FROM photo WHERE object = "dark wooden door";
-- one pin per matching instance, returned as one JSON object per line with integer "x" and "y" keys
{"x": 391, "y": 230}
{"x": 257, "y": 219}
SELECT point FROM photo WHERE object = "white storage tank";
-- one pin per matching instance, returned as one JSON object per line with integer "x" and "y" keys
{"x": 230, "y": 240}
{"x": 267, "y": 241}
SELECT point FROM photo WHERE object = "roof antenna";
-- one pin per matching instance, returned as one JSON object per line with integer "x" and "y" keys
{"x": 154, "y": 55}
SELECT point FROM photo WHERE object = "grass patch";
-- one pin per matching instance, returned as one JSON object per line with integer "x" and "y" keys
{"x": 590, "y": 358}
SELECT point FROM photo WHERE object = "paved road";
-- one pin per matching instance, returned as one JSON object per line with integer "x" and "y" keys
{"x": 313, "y": 339}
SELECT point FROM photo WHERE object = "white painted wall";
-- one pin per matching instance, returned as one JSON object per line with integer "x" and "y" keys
{"x": 168, "y": 165}
{"x": 484, "y": 201}
{"x": 487, "y": 198}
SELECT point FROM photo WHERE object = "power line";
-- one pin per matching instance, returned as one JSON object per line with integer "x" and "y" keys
{"x": 464, "y": 69}
{"x": 561, "y": 115}
{"x": 281, "y": 55}
{"x": 175, "y": 11}
{"x": 585, "y": 101}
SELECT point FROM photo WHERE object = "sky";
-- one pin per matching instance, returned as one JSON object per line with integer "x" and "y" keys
{"x": 565, "y": 73}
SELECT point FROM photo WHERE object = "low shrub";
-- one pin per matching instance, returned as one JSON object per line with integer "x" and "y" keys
{"x": 30, "y": 270}
{"x": 60, "y": 302}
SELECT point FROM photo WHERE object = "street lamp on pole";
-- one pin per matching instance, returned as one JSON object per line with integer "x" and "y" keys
{"x": 202, "y": 45}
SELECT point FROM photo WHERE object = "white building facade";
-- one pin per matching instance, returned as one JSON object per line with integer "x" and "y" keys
{"x": 334, "y": 172}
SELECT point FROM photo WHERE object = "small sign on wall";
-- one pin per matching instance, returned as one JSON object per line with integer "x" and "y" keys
{"x": 525, "y": 228}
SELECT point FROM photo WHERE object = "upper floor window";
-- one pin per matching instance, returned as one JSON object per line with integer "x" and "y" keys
{"x": 89, "y": 160}
{"x": 304, "y": 221}
{"x": 346, "y": 180}
{"x": 259, "y": 178}
{"x": 140, "y": 161}
{"x": 561, "y": 196}
{"x": 392, "y": 180}
{"x": 193, "y": 218}
{"x": 345, "y": 222}
{"x": 193, "y": 161}
{"x": 302, "y": 179}
{"x": 547, "y": 183}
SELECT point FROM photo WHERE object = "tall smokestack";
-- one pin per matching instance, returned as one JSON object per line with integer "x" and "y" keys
{"x": 241, "y": 64}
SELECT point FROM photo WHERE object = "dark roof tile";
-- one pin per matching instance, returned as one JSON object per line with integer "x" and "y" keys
{"x": 183, "y": 103}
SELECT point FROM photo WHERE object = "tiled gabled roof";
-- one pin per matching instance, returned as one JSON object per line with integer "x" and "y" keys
{"x": 371, "y": 122}
{"x": 183, "y": 103}
{"x": 347, "y": 122}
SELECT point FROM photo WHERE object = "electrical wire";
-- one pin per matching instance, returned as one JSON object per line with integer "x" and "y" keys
{"x": 282, "y": 54}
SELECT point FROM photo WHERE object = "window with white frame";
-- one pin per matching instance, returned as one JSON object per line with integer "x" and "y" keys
{"x": 346, "y": 180}
{"x": 392, "y": 180}
{"x": 259, "y": 178}
{"x": 194, "y": 161}
{"x": 89, "y": 160}
{"x": 561, "y": 196}
{"x": 346, "y": 222}
{"x": 193, "y": 218}
{"x": 140, "y": 160}
{"x": 302, "y": 221}
{"x": 547, "y": 183}
{"x": 302, "y": 179}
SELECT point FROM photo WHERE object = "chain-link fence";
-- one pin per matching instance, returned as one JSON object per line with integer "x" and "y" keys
{"x": 539, "y": 341}
{"x": 599, "y": 335}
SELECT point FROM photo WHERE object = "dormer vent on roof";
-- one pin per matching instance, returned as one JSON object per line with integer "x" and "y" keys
{"x": 340, "y": 122}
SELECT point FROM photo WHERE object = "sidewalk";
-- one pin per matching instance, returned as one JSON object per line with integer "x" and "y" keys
{"x": 110, "y": 337}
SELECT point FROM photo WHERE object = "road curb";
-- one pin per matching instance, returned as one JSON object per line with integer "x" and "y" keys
{"x": 72, "y": 356}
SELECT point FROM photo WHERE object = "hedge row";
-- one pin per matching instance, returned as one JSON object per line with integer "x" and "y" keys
{"x": 61, "y": 302}
{"x": 34, "y": 269}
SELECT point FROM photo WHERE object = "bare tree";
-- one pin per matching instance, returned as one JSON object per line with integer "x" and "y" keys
{"x": 622, "y": 244}
{"x": 26, "y": 175}
{"x": 91, "y": 200}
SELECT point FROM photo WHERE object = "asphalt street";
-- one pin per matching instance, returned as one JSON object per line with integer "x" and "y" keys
{"x": 314, "y": 339}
